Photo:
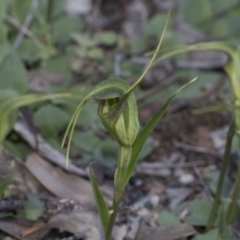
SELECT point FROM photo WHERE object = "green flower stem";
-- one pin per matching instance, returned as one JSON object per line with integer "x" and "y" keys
{"x": 124, "y": 157}
{"x": 212, "y": 216}
{"x": 235, "y": 194}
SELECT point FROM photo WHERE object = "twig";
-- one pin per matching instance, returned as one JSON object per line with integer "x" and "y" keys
{"x": 45, "y": 150}
{"x": 78, "y": 236}
{"x": 26, "y": 24}
{"x": 170, "y": 165}
{"x": 19, "y": 26}
{"x": 196, "y": 148}
{"x": 203, "y": 183}
{"x": 36, "y": 228}
{"x": 23, "y": 29}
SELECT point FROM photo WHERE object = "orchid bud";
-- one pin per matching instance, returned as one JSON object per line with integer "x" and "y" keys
{"x": 120, "y": 117}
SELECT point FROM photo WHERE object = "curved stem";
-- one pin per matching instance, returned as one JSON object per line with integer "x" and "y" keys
{"x": 235, "y": 194}
{"x": 154, "y": 55}
{"x": 212, "y": 216}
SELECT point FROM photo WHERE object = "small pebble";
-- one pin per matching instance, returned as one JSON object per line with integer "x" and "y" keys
{"x": 186, "y": 178}
{"x": 154, "y": 201}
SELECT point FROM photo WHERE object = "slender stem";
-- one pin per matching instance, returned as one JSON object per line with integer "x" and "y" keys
{"x": 49, "y": 11}
{"x": 112, "y": 219}
{"x": 212, "y": 216}
{"x": 235, "y": 194}
{"x": 124, "y": 155}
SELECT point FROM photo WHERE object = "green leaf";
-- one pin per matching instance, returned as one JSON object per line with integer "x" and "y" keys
{"x": 199, "y": 211}
{"x": 4, "y": 51}
{"x": 221, "y": 5}
{"x": 107, "y": 152}
{"x": 3, "y": 9}
{"x": 51, "y": 120}
{"x": 7, "y": 94}
{"x": 64, "y": 27}
{"x": 58, "y": 8}
{"x": 101, "y": 204}
{"x": 145, "y": 132}
{"x": 212, "y": 179}
{"x": 19, "y": 10}
{"x": 86, "y": 141}
{"x": 108, "y": 38}
{"x": 13, "y": 74}
{"x": 142, "y": 137}
{"x": 60, "y": 65}
{"x": 3, "y": 33}
{"x": 28, "y": 50}
{"x": 6, "y": 182}
{"x": 19, "y": 149}
{"x": 167, "y": 218}
{"x": 7, "y": 118}
{"x": 95, "y": 53}
{"x": 138, "y": 45}
{"x": 155, "y": 25}
{"x": 84, "y": 40}
{"x": 8, "y": 106}
{"x": 33, "y": 209}
{"x": 195, "y": 11}
{"x": 89, "y": 111}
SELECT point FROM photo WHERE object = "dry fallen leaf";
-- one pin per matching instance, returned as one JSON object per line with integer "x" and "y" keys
{"x": 76, "y": 221}
{"x": 165, "y": 233}
{"x": 60, "y": 183}
{"x": 45, "y": 149}
{"x": 17, "y": 228}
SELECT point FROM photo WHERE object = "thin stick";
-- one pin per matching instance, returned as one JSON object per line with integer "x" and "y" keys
{"x": 203, "y": 183}
{"x": 26, "y": 24}
{"x": 23, "y": 29}
{"x": 230, "y": 134}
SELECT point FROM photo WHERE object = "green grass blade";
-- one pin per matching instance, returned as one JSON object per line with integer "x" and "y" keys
{"x": 101, "y": 204}
{"x": 140, "y": 79}
{"x": 13, "y": 102}
{"x": 7, "y": 181}
{"x": 145, "y": 132}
